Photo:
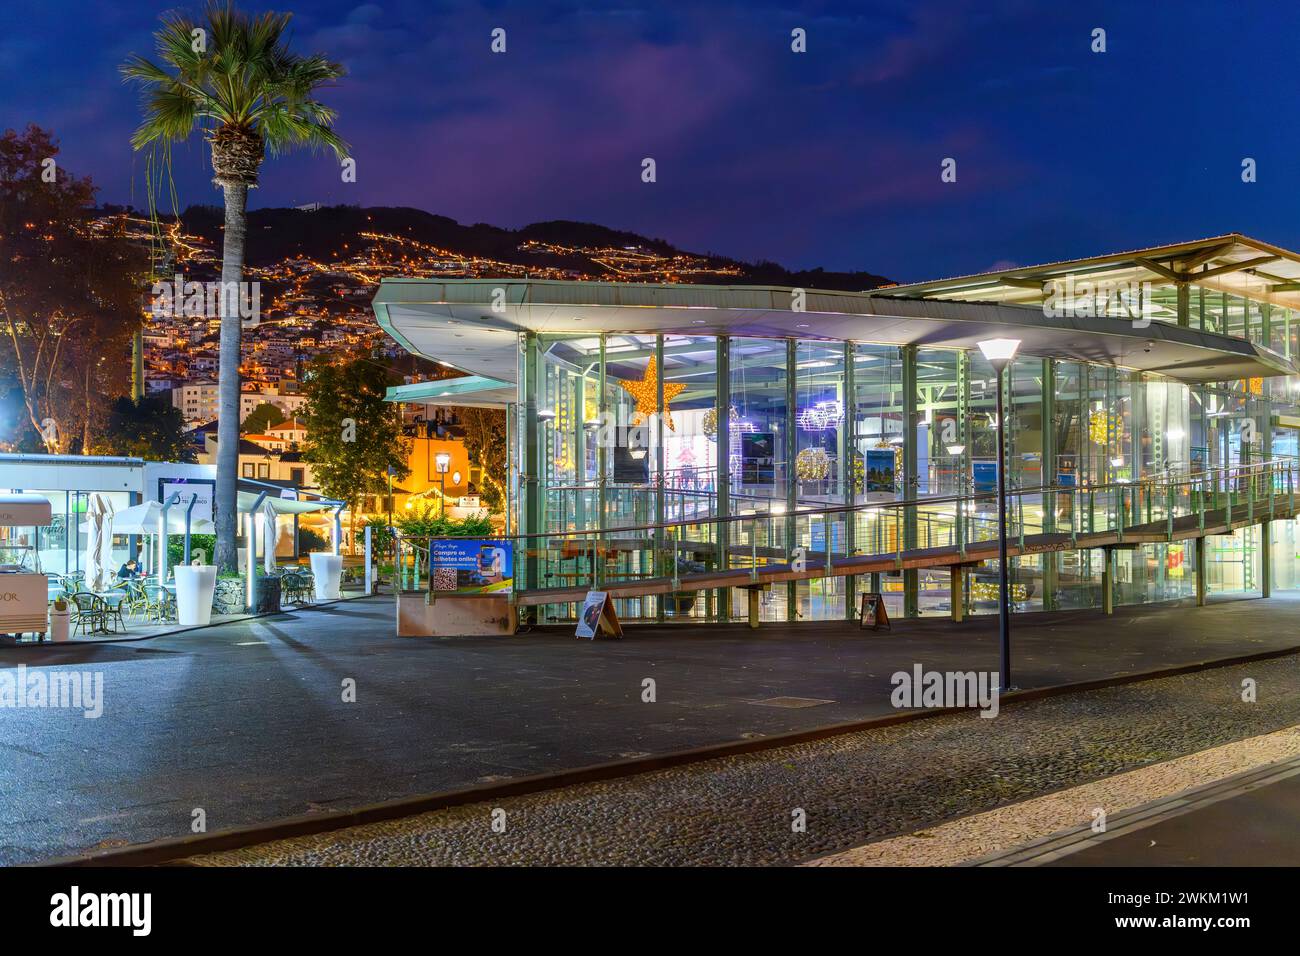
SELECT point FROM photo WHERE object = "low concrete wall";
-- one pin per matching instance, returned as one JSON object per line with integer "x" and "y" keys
{"x": 420, "y": 614}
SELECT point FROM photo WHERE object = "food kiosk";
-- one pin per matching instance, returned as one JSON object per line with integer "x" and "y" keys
{"x": 24, "y": 590}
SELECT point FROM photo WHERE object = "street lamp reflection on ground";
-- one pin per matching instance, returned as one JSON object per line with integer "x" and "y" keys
{"x": 999, "y": 353}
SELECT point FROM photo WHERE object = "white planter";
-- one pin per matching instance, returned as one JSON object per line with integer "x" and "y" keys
{"x": 58, "y": 624}
{"x": 194, "y": 587}
{"x": 326, "y": 570}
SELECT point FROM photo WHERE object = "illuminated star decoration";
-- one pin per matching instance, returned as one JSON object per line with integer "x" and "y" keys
{"x": 646, "y": 393}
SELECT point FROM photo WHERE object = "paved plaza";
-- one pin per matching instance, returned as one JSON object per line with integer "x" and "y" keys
{"x": 247, "y": 721}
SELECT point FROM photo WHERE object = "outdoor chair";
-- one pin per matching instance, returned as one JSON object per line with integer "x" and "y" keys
{"x": 135, "y": 603}
{"x": 89, "y": 616}
{"x": 111, "y": 611}
{"x": 296, "y": 587}
{"x": 157, "y": 603}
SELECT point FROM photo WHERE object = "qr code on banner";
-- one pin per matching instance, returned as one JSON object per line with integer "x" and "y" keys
{"x": 444, "y": 579}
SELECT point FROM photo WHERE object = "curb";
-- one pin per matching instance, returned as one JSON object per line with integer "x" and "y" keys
{"x": 128, "y": 639}
{"x": 172, "y": 850}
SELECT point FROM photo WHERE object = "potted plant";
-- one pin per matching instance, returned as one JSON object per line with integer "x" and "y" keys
{"x": 327, "y": 573}
{"x": 59, "y": 619}
{"x": 195, "y": 587}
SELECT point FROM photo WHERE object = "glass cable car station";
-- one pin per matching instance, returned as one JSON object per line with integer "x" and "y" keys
{"x": 715, "y": 453}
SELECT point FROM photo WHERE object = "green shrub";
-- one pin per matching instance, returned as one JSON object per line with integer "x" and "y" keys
{"x": 309, "y": 541}
{"x": 381, "y": 538}
{"x": 207, "y": 543}
{"x": 430, "y": 523}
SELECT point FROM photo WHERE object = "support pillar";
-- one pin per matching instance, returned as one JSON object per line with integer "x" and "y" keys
{"x": 1184, "y": 303}
{"x": 660, "y": 465}
{"x": 911, "y": 577}
{"x": 1200, "y": 571}
{"x": 722, "y": 391}
{"x": 955, "y": 595}
{"x": 1051, "y": 559}
{"x": 1266, "y": 558}
{"x": 753, "y": 594}
{"x": 530, "y": 491}
{"x": 848, "y": 451}
{"x": 607, "y": 429}
{"x": 1108, "y": 581}
{"x": 791, "y": 475}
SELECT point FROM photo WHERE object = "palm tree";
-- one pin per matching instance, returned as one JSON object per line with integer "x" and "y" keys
{"x": 233, "y": 77}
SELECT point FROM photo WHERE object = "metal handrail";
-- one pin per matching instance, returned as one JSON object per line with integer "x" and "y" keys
{"x": 1202, "y": 477}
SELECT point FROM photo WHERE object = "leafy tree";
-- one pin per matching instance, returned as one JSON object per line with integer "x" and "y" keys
{"x": 69, "y": 299}
{"x": 261, "y": 418}
{"x": 353, "y": 436}
{"x": 234, "y": 77}
{"x": 381, "y": 536}
{"x": 150, "y": 428}
{"x": 309, "y": 541}
{"x": 485, "y": 443}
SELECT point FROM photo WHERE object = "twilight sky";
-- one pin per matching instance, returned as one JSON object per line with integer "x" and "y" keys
{"x": 831, "y": 157}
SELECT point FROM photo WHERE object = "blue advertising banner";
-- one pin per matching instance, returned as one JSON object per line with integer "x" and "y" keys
{"x": 984, "y": 476}
{"x": 471, "y": 565}
{"x": 818, "y": 545}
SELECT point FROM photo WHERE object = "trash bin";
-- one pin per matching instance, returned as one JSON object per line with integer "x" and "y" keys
{"x": 59, "y": 621}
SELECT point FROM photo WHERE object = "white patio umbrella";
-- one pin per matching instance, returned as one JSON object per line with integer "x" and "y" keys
{"x": 99, "y": 540}
{"x": 269, "y": 534}
{"x": 106, "y": 532}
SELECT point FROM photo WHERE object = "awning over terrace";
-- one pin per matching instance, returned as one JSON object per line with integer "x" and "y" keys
{"x": 285, "y": 506}
{"x": 473, "y": 324}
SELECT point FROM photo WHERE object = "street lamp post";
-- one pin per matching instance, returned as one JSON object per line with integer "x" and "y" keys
{"x": 442, "y": 461}
{"x": 999, "y": 353}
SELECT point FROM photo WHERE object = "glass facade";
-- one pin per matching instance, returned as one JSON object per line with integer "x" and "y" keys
{"x": 62, "y": 546}
{"x": 684, "y": 454}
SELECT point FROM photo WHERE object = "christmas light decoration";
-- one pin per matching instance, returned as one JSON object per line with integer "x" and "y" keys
{"x": 1101, "y": 425}
{"x": 812, "y": 464}
{"x": 646, "y": 395}
{"x": 822, "y": 416}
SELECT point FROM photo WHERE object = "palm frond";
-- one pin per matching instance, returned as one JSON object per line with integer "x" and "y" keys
{"x": 246, "y": 76}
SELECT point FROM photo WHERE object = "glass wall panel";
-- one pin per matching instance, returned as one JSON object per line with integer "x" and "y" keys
{"x": 877, "y": 440}
{"x": 819, "y": 419}
{"x": 761, "y": 452}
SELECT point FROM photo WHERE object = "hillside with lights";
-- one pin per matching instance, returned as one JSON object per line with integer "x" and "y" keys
{"x": 318, "y": 267}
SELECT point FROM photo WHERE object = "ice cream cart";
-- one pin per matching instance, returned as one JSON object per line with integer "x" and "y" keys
{"x": 24, "y": 590}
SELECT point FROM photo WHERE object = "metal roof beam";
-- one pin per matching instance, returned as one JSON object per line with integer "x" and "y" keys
{"x": 1233, "y": 267}
{"x": 1158, "y": 269}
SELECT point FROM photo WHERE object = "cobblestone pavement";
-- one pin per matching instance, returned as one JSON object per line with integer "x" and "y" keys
{"x": 1039, "y": 825}
{"x": 853, "y": 789}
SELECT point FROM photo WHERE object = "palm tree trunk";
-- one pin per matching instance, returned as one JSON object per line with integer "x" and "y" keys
{"x": 232, "y": 273}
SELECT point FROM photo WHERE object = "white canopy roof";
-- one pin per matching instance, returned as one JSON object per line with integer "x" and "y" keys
{"x": 460, "y": 323}
{"x": 284, "y": 506}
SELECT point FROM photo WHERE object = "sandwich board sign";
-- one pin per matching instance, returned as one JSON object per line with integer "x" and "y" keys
{"x": 598, "y": 618}
{"x": 873, "y": 612}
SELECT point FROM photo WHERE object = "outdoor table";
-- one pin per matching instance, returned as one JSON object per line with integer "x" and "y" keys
{"x": 113, "y": 598}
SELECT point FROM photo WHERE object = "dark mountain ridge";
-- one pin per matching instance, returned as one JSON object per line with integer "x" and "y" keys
{"x": 330, "y": 232}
